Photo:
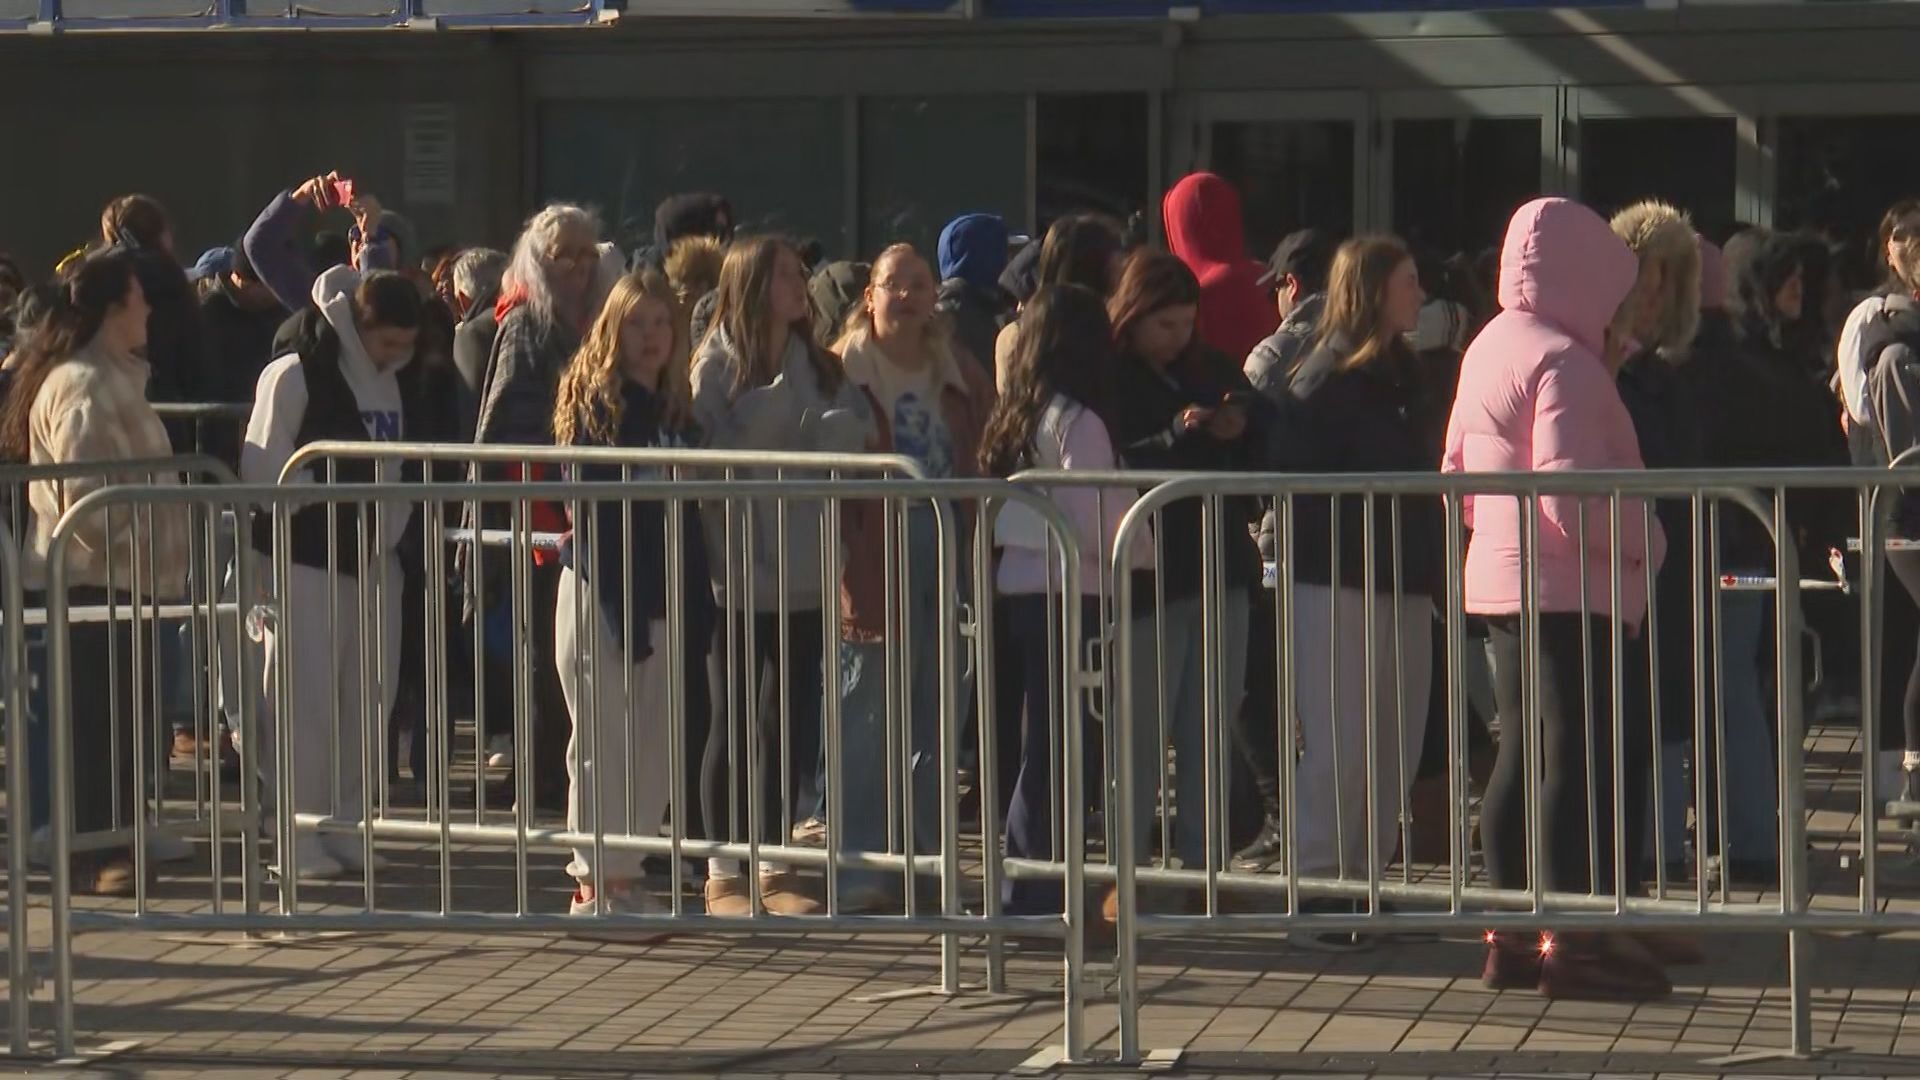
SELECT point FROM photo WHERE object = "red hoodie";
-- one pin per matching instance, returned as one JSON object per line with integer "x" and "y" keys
{"x": 1204, "y": 228}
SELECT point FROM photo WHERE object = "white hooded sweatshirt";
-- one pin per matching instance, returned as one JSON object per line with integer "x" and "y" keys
{"x": 280, "y": 399}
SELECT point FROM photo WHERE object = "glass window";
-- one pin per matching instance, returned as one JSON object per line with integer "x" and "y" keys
{"x": 1686, "y": 161}
{"x": 1090, "y": 154}
{"x": 1457, "y": 181}
{"x": 926, "y": 161}
{"x": 1292, "y": 174}
{"x": 779, "y": 162}
{"x": 1839, "y": 174}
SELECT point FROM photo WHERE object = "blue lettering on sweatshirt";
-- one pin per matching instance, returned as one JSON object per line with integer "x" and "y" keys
{"x": 383, "y": 425}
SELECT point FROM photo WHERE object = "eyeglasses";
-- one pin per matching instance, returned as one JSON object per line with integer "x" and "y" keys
{"x": 904, "y": 288}
{"x": 573, "y": 256}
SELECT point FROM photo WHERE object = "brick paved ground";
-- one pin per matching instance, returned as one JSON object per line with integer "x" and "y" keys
{"x": 446, "y": 1004}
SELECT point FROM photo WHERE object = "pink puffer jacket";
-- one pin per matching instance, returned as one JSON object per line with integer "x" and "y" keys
{"x": 1535, "y": 396}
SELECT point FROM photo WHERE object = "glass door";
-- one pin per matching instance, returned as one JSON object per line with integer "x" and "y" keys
{"x": 1299, "y": 159}
{"x": 1453, "y": 165}
{"x": 1695, "y": 147}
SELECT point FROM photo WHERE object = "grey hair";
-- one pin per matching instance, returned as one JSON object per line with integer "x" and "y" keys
{"x": 477, "y": 271}
{"x": 527, "y": 268}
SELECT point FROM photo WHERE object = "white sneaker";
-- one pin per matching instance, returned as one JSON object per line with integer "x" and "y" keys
{"x": 315, "y": 863}
{"x": 500, "y": 752}
{"x": 166, "y": 847}
{"x": 346, "y": 851}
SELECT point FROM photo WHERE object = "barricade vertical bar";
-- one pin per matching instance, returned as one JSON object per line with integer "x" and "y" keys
{"x": 677, "y": 805}
{"x": 1126, "y": 940}
{"x": 1872, "y": 606}
{"x": 830, "y": 648}
{"x": 1617, "y": 648}
{"x": 1370, "y": 702}
{"x": 745, "y": 752}
{"x": 1073, "y": 798}
{"x": 1700, "y": 714}
{"x": 437, "y": 724}
{"x": 947, "y": 575}
{"x": 1530, "y": 727}
{"x": 519, "y": 555}
{"x": 1289, "y": 719}
{"x": 1792, "y": 779}
{"x": 246, "y": 593}
{"x": 987, "y": 782}
{"x": 784, "y": 650}
{"x": 1592, "y": 788}
{"x": 60, "y": 694}
{"x": 1660, "y": 809}
{"x": 284, "y": 688}
{"x": 1403, "y": 775}
{"x": 1716, "y": 673}
{"x": 1213, "y": 702}
{"x": 1459, "y": 787}
{"x": 142, "y": 680}
{"x": 19, "y": 963}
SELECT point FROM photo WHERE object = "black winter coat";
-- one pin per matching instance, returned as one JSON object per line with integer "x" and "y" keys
{"x": 1147, "y": 406}
{"x": 1387, "y": 417}
{"x": 977, "y": 317}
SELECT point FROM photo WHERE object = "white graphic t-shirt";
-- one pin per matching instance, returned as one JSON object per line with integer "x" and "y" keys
{"x": 910, "y": 401}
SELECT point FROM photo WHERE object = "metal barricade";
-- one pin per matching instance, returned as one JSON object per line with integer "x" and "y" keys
{"x": 1604, "y": 505}
{"x": 356, "y": 823}
{"x": 213, "y": 428}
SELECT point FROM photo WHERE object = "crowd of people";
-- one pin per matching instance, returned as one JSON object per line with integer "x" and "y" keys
{"x": 1627, "y": 343}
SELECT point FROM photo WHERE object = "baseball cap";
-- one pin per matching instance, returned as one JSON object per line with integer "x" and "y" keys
{"x": 1306, "y": 254}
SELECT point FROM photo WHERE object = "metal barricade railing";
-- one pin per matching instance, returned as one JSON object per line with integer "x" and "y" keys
{"x": 893, "y": 504}
{"x": 214, "y": 428}
{"x": 1604, "y": 510}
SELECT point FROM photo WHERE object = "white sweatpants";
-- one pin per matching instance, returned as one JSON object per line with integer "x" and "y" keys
{"x": 617, "y": 768}
{"x": 323, "y": 659}
{"x": 1332, "y": 705}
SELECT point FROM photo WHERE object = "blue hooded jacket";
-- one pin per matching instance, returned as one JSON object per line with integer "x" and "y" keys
{"x": 973, "y": 255}
{"x": 973, "y": 249}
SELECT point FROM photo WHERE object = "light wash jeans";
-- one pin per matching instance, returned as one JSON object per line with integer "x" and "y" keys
{"x": 1177, "y": 691}
{"x": 1752, "y": 784}
{"x": 865, "y": 721}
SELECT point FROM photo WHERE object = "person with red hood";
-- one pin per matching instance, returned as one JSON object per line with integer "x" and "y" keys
{"x": 1204, "y": 228}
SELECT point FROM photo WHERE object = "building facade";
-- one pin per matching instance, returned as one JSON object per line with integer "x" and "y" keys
{"x": 857, "y": 128}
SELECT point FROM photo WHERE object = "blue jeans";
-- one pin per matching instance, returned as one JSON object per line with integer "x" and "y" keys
{"x": 865, "y": 720}
{"x": 1181, "y": 646}
{"x": 1752, "y": 784}
{"x": 1036, "y": 814}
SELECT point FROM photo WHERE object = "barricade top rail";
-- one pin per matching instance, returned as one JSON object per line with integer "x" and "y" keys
{"x": 203, "y": 410}
{"x": 63, "y": 470}
{"x": 1664, "y": 482}
{"x": 508, "y": 454}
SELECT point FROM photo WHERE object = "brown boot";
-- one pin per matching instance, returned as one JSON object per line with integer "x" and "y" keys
{"x": 1585, "y": 967}
{"x": 727, "y": 898}
{"x": 1513, "y": 960}
{"x": 784, "y": 893}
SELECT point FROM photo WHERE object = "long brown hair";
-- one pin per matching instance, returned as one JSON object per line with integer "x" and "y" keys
{"x": 1066, "y": 348}
{"x": 1150, "y": 281}
{"x": 588, "y": 401}
{"x": 1357, "y": 298}
{"x": 741, "y": 311}
{"x": 81, "y": 301}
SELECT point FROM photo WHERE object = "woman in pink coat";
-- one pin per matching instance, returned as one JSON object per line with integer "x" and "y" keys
{"x": 1537, "y": 394}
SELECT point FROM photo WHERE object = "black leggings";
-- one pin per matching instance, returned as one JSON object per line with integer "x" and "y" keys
{"x": 1575, "y": 688}
{"x": 723, "y": 795}
{"x": 1906, "y": 566}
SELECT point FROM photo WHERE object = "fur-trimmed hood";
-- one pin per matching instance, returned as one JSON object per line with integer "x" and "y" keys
{"x": 693, "y": 266}
{"x": 1660, "y": 234}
